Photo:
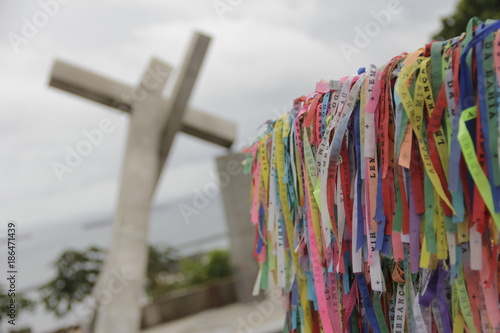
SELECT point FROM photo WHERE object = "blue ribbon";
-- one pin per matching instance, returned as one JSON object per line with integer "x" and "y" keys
{"x": 324, "y": 112}
{"x": 359, "y": 237}
{"x": 367, "y": 302}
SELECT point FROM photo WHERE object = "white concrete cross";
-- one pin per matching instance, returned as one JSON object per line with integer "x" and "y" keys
{"x": 154, "y": 121}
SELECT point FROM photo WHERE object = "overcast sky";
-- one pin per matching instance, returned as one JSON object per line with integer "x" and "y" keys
{"x": 263, "y": 54}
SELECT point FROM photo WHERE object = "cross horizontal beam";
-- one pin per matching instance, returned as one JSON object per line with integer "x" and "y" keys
{"x": 117, "y": 95}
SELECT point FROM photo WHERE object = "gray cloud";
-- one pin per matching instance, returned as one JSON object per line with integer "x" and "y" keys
{"x": 263, "y": 55}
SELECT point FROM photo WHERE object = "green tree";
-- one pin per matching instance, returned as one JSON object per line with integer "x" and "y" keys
{"x": 219, "y": 264}
{"x": 206, "y": 268}
{"x": 162, "y": 264}
{"x": 456, "y": 23}
{"x": 76, "y": 273}
{"x": 194, "y": 270}
{"x": 23, "y": 304}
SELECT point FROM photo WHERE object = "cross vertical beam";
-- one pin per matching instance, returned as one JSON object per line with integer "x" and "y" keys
{"x": 182, "y": 92}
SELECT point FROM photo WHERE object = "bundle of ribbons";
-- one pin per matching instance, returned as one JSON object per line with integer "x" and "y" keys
{"x": 376, "y": 199}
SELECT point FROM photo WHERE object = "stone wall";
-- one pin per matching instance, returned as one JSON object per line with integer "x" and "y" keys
{"x": 189, "y": 301}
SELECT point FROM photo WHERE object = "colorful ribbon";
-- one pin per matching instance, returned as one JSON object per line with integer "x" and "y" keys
{"x": 376, "y": 199}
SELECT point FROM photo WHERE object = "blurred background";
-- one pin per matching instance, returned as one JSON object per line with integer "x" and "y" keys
{"x": 263, "y": 55}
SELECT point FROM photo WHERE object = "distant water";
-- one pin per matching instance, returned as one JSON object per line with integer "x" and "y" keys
{"x": 38, "y": 249}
